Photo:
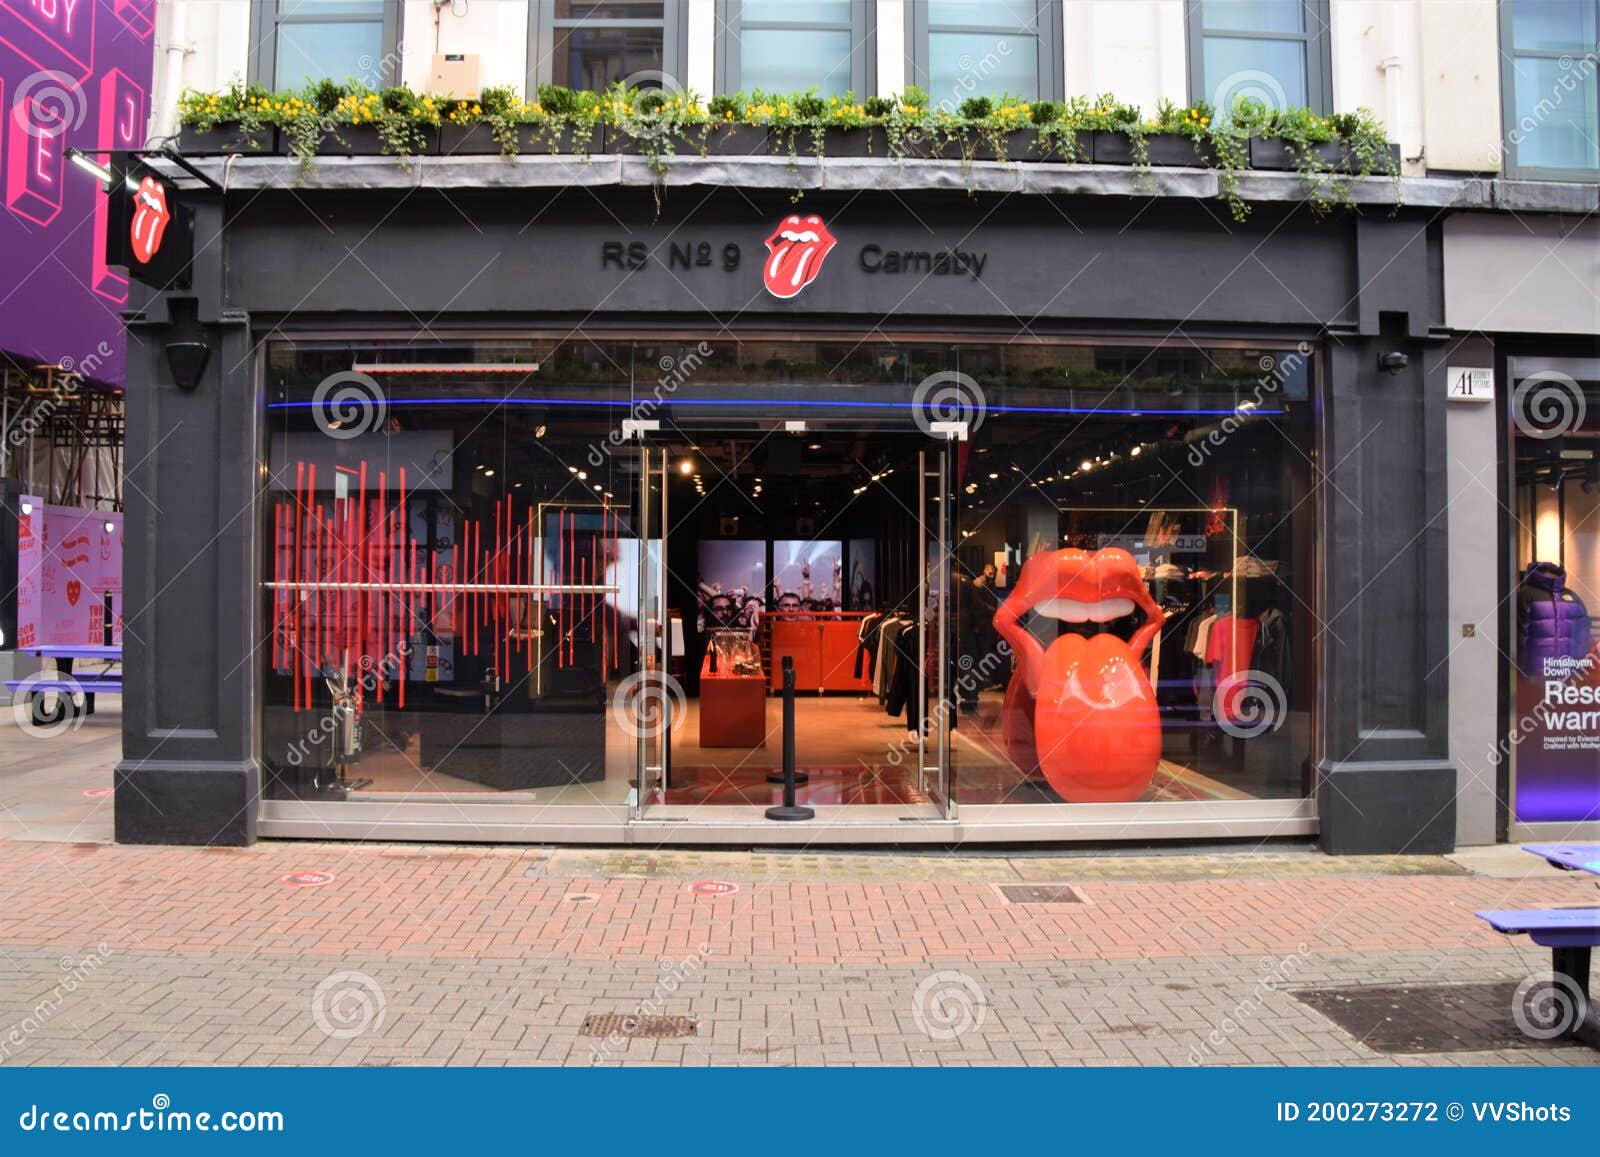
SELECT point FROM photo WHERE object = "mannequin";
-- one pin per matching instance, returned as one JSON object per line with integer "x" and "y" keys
{"x": 1082, "y": 711}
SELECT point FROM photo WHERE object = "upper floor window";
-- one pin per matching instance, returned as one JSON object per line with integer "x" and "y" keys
{"x": 1272, "y": 51}
{"x": 1549, "y": 50}
{"x": 957, "y": 49}
{"x": 796, "y": 45}
{"x": 593, "y": 44}
{"x": 298, "y": 42}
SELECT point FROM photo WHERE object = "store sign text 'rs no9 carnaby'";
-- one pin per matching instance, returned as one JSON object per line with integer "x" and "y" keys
{"x": 796, "y": 253}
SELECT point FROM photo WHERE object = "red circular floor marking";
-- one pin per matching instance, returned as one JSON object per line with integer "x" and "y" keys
{"x": 308, "y": 879}
{"x": 713, "y": 888}
{"x": 98, "y": 792}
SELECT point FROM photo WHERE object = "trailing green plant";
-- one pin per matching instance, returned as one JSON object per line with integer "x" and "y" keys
{"x": 992, "y": 122}
{"x": 1059, "y": 124}
{"x": 250, "y": 108}
{"x": 655, "y": 120}
{"x": 402, "y": 119}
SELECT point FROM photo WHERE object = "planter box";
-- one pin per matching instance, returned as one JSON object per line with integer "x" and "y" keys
{"x": 669, "y": 145}
{"x": 228, "y": 138}
{"x": 565, "y": 141}
{"x": 468, "y": 141}
{"x": 1081, "y": 149}
{"x": 737, "y": 141}
{"x": 1352, "y": 164}
{"x": 868, "y": 141}
{"x": 1273, "y": 153}
{"x": 1016, "y": 145}
{"x": 364, "y": 141}
{"x": 1170, "y": 150}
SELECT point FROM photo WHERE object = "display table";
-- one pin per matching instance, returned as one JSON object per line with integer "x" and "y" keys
{"x": 733, "y": 708}
{"x": 823, "y": 646}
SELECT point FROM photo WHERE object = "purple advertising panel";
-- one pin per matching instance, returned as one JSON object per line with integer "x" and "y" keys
{"x": 73, "y": 74}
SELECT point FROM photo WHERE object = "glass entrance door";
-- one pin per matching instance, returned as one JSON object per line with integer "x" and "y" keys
{"x": 826, "y": 547}
{"x": 938, "y": 608}
{"x": 650, "y": 701}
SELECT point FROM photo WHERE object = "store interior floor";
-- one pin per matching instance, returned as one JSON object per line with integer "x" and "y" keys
{"x": 854, "y": 752}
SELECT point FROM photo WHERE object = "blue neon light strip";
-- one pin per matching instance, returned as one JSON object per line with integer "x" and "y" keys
{"x": 784, "y": 405}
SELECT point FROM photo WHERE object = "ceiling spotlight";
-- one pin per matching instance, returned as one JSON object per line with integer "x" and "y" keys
{"x": 487, "y": 472}
{"x": 572, "y": 469}
{"x": 1136, "y": 451}
{"x": 538, "y": 432}
{"x": 1086, "y": 465}
{"x": 686, "y": 467}
{"x": 583, "y": 476}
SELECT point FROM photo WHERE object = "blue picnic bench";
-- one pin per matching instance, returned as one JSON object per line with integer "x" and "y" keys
{"x": 67, "y": 683}
{"x": 1571, "y": 934}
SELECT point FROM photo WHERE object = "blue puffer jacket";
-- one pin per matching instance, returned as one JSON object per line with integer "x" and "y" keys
{"x": 1552, "y": 621}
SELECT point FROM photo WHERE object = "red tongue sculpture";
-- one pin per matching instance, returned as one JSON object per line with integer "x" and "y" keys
{"x": 1082, "y": 711}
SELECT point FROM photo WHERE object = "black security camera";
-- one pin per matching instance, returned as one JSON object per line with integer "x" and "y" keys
{"x": 187, "y": 361}
{"x": 1393, "y": 362}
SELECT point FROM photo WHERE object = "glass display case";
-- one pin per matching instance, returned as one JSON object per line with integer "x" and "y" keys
{"x": 732, "y": 652}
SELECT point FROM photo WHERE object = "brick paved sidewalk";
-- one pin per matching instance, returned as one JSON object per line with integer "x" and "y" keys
{"x": 494, "y": 955}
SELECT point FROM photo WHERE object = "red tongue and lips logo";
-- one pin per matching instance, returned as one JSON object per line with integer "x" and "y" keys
{"x": 1082, "y": 711}
{"x": 150, "y": 219}
{"x": 795, "y": 253}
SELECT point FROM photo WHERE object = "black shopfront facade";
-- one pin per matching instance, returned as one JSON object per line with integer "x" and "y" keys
{"x": 496, "y": 502}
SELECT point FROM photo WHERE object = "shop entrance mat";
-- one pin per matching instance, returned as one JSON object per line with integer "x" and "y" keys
{"x": 633, "y": 1025}
{"x": 1040, "y": 894}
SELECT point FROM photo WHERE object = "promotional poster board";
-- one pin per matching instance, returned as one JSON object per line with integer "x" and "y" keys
{"x": 69, "y": 569}
{"x": 1557, "y": 739}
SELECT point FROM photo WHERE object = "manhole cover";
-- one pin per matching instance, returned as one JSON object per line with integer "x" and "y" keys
{"x": 1454, "y": 1018}
{"x": 628, "y": 1024}
{"x": 1040, "y": 894}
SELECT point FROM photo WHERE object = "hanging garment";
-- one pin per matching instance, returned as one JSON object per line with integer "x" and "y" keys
{"x": 1552, "y": 622}
{"x": 887, "y": 655}
{"x": 1232, "y": 643}
{"x": 903, "y": 683}
{"x": 1272, "y": 646}
{"x": 867, "y": 645}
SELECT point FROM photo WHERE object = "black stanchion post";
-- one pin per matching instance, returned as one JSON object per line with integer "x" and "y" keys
{"x": 787, "y": 773}
{"x": 789, "y": 809}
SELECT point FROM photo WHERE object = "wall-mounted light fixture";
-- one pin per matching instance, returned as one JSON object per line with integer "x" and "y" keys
{"x": 91, "y": 166}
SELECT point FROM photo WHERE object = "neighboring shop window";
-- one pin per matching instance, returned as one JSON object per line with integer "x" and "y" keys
{"x": 1272, "y": 51}
{"x": 593, "y": 44}
{"x": 958, "y": 49}
{"x": 298, "y": 42}
{"x": 795, "y": 45}
{"x": 1555, "y": 734}
{"x": 1549, "y": 91}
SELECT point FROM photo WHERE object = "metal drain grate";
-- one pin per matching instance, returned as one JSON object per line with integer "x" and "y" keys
{"x": 1041, "y": 894}
{"x": 1455, "y": 1018}
{"x": 605, "y": 1024}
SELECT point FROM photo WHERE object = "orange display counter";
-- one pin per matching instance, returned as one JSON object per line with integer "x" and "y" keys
{"x": 823, "y": 647}
{"x": 733, "y": 709}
